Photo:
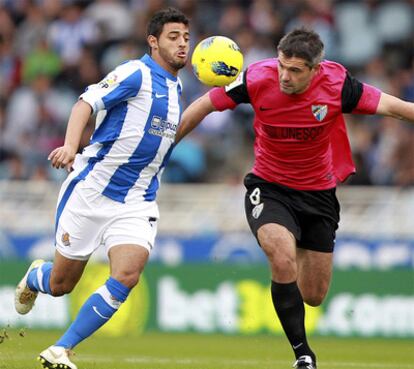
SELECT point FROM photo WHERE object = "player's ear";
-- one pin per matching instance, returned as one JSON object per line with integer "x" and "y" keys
{"x": 152, "y": 42}
{"x": 317, "y": 68}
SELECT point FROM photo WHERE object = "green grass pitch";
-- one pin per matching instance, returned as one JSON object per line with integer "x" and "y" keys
{"x": 18, "y": 350}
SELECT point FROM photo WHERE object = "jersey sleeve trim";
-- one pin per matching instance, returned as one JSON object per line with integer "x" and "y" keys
{"x": 351, "y": 93}
{"x": 96, "y": 105}
{"x": 220, "y": 100}
{"x": 237, "y": 90}
{"x": 368, "y": 103}
{"x": 230, "y": 96}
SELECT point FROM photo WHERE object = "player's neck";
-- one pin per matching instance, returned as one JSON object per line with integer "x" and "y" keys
{"x": 164, "y": 65}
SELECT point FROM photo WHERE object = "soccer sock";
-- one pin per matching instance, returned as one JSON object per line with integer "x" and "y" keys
{"x": 288, "y": 303}
{"x": 95, "y": 312}
{"x": 39, "y": 278}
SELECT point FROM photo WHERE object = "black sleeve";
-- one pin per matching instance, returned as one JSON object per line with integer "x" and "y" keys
{"x": 351, "y": 93}
{"x": 237, "y": 90}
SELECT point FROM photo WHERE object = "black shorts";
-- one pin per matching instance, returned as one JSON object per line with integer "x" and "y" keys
{"x": 311, "y": 216}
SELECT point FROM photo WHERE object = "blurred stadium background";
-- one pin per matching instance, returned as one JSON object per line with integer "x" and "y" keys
{"x": 50, "y": 50}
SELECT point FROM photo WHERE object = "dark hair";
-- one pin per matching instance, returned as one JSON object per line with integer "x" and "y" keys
{"x": 169, "y": 15}
{"x": 302, "y": 43}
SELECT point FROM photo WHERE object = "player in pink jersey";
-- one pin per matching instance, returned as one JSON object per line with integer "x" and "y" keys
{"x": 301, "y": 152}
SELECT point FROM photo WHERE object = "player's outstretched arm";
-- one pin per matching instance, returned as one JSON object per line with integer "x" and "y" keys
{"x": 193, "y": 115}
{"x": 394, "y": 107}
{"x": 64, "y": 156}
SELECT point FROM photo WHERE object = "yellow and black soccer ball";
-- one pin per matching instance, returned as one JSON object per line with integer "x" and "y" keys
{"x": 217, "y": 61}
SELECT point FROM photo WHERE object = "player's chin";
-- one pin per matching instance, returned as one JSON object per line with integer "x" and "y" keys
{"x": 179, "y": 63}
{"x": 287, "y": 90}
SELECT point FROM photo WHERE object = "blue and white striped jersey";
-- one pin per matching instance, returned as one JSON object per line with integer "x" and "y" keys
{"x": 138, "y": 110}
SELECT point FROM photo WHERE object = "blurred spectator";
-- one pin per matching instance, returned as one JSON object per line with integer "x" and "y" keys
{"x": 118, "y": 52}
{"x": 383, "y": 165}
{"x": 35, "y": 122}
{"x": 9, "y": 62}
{"x": 309, "y": 17}
{"x": 71, "y": 32}
{"x": 32, "y": 30}
{"x": 10, "y": 68}
{"x": 254, "y": 47}
{"x": 7, "y": 26}
{"x": 113, "y": 18}
{"x": 233, "y": 17}
{"x": 404, "y": 156}
{"x": 88, "y": 72}
{"x": 187, "y": 163}
{"x": 40, "y": 60}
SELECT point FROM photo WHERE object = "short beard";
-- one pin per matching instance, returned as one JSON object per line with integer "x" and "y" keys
{"x": 178, "y": 65}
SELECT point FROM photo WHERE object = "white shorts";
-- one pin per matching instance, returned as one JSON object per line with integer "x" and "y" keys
{"x": 90, "y": 219}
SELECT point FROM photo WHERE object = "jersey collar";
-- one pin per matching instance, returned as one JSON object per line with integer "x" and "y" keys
{"x": 153, "y": 65}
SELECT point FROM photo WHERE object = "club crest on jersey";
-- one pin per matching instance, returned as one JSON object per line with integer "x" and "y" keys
{"x": 319, "y": 112}
{"x": 65, "y": 239}
{"x": 257, "y": 210}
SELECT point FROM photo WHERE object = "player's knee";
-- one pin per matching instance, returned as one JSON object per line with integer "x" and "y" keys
{"x": 314, "y": 297}
{"x": 280, "y": 258}
{"x": 277, "y": 243}
{"x": 313, "y": 300}
{"x": 61, "y": 286}
{"x": 129, "y": 280}
{"x": 60, "y": 289}
{"x": 283, "y": 267}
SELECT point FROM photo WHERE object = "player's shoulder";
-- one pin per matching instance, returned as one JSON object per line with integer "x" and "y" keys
{"x": 332, "y": 73}
{"x": 332, "y": 70}
{"x": 262, "y": 70}
{"x": 329, "y": 64}
{"x": 129, "y": 69}
{"x": 130, "y": 66}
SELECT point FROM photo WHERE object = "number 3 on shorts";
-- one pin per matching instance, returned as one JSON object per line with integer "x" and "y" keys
{"x": 255, "y": 196}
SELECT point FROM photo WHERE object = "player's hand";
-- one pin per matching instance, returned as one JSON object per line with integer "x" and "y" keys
{"x": 62, "y": 157}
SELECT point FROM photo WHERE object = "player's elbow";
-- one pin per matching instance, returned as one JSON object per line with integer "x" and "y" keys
{"x": 82, "y": 107}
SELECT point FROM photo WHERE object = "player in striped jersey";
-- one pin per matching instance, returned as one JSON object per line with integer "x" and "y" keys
{"x": 109, "y": 196}
{"x": 301, "y": 153}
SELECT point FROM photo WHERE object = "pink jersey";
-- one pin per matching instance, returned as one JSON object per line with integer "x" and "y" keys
{"x": 301, "y": 140}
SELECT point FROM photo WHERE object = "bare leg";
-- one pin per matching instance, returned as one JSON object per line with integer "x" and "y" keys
{"x": 314, "y": 275}
{"x": 279, "y": 246}
{"x": 65, "y": 274}
{"x": 127, "y": 263}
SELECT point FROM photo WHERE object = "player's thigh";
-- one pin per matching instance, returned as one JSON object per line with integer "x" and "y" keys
{"x": 265, "y": 204}
{"x": 127, "y": 263}
{"x": 80, "y": 222}
{"x": 279, "y": 245}
{"x": 314, "y": 274}
{"x": 129, "y": 240}
{"x": 276, "y": 239}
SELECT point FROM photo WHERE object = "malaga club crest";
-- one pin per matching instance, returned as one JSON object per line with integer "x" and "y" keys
{"x": 319, "y": 112}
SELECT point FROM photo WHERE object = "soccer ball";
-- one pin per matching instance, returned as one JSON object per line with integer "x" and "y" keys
{"x": 217, "y": 61}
